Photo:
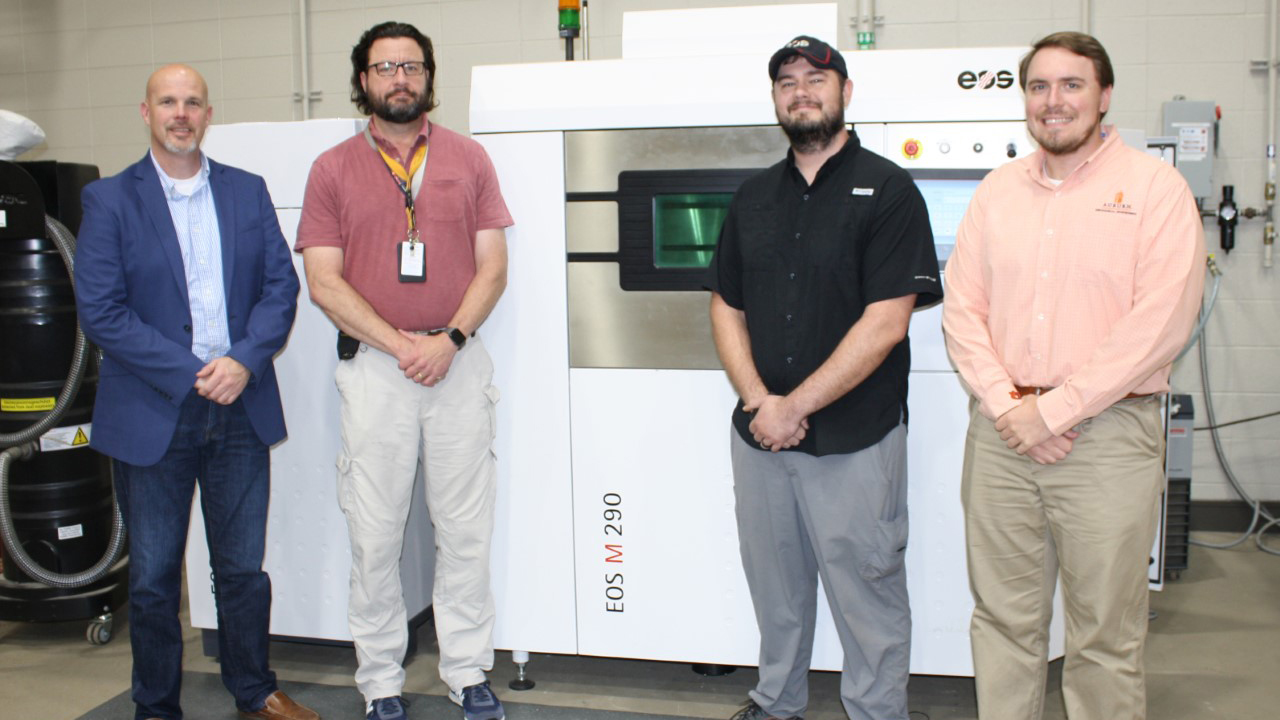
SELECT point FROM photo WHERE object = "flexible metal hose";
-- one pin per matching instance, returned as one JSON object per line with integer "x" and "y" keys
{"x": 1259, "y": 510}
{"x": 24, "y": 443}
{"x": 1216, "y": 275}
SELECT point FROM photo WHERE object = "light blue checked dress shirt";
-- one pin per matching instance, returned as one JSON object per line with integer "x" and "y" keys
{"x": 196, "y": 222}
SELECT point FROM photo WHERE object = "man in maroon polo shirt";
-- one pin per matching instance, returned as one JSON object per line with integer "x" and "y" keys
{"x": 402, "y": 236}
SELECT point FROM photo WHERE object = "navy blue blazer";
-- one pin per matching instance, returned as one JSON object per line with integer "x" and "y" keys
{"x": 131, "y": 295}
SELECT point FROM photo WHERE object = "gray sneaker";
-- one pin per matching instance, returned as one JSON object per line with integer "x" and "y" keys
{"x": 752, "y": 711}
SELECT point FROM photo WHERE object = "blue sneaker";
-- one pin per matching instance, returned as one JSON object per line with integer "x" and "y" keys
{"x": 388, "y": 708}
{"x": 479, "y": 703}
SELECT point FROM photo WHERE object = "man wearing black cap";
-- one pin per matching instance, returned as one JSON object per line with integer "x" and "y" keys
{"x": 821, "y": 260}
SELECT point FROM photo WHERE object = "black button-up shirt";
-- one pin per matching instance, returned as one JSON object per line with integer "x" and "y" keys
{"x": 804, "y": 261}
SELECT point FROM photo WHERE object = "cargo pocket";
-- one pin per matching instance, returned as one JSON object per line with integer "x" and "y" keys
{"x": 890, "y": 551}
{"x": 494, "y": 396}
{"x": 344, "y": 482}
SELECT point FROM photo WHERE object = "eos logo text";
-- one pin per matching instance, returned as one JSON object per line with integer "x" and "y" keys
{"x": 984, "y": 80}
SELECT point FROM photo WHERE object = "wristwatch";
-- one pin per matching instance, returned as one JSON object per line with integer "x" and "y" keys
{"x": 458, "y": 337}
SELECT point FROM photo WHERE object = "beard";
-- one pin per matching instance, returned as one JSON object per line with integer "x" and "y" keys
{"x": 178, "y": 149}
{"x": 400, "y": 113}
{"x": 808, "y": 136}
{"x": 1061, "y": 143}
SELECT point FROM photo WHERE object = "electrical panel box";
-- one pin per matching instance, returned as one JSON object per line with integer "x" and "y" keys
{"x": 1194, "y": 123}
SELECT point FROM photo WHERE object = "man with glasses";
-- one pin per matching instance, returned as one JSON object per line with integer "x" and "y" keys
{"x": 402, "y": 236}
{"x": 821, "y": 260}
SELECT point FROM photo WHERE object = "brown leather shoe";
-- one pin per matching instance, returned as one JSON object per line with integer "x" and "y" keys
{"x": 281, "y": 707}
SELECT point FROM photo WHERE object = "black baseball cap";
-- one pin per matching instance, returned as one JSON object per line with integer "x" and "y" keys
{"x": 818, "y": 53}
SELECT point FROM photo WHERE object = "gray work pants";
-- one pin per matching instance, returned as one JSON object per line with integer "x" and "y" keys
{"x": 842, "y": 518}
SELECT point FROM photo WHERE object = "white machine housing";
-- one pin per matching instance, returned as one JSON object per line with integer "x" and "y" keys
{"x": 308, "y": 556}
{"x": 626, "y": 470}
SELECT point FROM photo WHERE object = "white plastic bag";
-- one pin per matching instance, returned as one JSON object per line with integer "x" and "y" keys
{"x": 18, "y": 134}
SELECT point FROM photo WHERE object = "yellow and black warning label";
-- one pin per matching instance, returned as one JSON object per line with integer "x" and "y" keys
{"x": 66, "y": 438}
{"x": 22, "y": 405}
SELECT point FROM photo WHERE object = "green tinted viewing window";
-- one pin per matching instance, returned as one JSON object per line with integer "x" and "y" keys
{"x": 686, "y": 228}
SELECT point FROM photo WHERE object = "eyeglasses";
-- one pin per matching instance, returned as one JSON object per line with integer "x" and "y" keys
{"x": 387, "y": 68}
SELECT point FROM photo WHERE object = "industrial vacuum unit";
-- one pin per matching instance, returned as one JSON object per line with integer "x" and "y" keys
{"x": 60, "y": 538}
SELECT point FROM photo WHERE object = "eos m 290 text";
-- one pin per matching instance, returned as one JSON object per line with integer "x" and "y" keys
{"x": 612, "y": 515}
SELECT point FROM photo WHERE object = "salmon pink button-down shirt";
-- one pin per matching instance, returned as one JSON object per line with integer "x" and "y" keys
{"x": 1089, "y": 287}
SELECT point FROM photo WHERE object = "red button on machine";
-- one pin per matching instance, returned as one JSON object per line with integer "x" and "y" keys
{"x": 911, "y": 149}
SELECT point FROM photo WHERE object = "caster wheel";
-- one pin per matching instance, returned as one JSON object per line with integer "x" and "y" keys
{"x": 99, "y": 631}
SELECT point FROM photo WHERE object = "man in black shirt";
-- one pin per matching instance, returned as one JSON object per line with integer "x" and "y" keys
{"x": 821, "y": 261}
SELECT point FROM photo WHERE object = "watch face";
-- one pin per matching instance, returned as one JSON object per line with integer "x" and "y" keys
{"x": 458, "y": 337}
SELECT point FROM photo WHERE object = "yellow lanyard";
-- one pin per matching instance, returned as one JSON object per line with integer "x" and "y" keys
{"x": 405, "y": 179}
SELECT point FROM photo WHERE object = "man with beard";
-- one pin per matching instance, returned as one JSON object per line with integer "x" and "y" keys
{"x": 1076, "y": 277}
{"x": 407, "y": 255}
{"x": 184, "y": 281}
{"x": 820, "y": 262}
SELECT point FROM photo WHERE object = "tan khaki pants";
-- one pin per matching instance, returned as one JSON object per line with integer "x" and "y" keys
{"x": 1090, "y": 518}
{"x": 388, "y": 423}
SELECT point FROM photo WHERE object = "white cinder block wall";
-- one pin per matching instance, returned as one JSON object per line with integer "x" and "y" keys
{"x": 78, "y": 68}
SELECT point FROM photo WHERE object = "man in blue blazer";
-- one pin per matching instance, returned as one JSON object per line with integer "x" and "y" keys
{"x": 186, "y": 283}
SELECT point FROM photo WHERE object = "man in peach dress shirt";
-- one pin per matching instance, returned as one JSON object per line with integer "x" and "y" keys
{"x": 1076, "y": 278}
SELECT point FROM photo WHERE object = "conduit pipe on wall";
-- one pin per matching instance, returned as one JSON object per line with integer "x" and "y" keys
{"x": 1086, "y": 17}
{"x": 1269, "y": 190}
{"x": 305, "y": 49}
{"x": 866, "y": 25}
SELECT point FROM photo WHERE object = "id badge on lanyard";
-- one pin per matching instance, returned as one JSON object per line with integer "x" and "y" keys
{"x": 413, "y": 259}
{"x": 411, "y": 253}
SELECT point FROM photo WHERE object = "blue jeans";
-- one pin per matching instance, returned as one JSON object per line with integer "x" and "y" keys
{"x": 216, "y": 446}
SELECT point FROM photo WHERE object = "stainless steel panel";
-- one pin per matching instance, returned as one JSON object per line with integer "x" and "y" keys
{"x": 608, "y": 326}
{"x": 593, "y": 158}
{"x": 591, "y": 226}
{"x": 612, "y": 328}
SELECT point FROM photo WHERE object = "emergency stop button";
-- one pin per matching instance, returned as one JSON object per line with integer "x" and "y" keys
{"x": 911, "y": 149}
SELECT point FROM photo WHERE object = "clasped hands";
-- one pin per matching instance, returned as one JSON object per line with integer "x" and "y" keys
{"x": 1025, "y": 432}
{"x": 222, "y": 380}
{"x": 426, "y": 358}
{"x": 775, "y": 425}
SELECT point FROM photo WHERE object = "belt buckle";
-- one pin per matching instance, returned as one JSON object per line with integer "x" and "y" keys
{"x": 1017, "y": 394}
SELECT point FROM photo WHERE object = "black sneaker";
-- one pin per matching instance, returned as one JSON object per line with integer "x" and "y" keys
{"x": 752, "y": 711}
{"x": 388, "y": 708}
{"x": 479, "y": 703}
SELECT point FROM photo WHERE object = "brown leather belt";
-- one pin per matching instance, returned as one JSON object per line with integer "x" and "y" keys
{"x": 1019, "y": 391}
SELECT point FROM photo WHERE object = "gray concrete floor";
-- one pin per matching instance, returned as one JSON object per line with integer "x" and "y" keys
{"x": 1213, "y": 652}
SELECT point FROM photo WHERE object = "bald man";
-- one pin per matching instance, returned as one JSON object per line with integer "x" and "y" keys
{"x": 186, "y": 283}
